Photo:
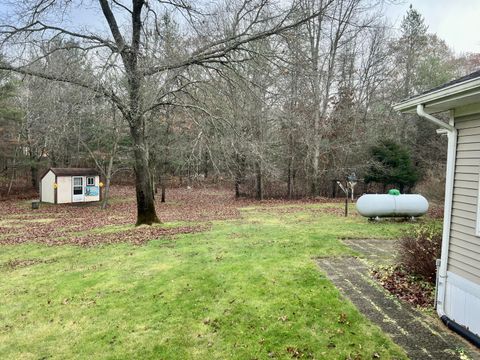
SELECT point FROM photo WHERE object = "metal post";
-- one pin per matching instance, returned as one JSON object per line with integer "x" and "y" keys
{"x": 345, "y": 191}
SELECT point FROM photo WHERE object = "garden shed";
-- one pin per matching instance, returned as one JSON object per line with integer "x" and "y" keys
{"x": 70, "y": 185}
{"x": 458, "y": 284}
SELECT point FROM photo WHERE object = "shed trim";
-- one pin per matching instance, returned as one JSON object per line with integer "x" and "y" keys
{"x": 72, "y": 172}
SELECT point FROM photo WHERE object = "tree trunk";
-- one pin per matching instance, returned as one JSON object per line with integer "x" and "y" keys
{"x": 106, "y": 192}
{"x": 14, "y": 168}
{"x": 290, "y": 180}
{"x": 316, "y": 149}
{"x": 239, "y": 171}
{"x": 237, "y": 188}
{"x": 205, "y": 164}
{"x": 259, "y": 181}
{"x": 291, "y": 161}
{"x": 108, "y": 175}
{"x": 34, "y": 175}
{"x": 143, "y": 184}
{"x": 12, "y": 178}
{"x": 153, "y": 182}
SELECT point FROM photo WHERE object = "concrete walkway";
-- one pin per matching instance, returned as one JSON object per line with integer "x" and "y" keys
{"x": 421, "y": 335}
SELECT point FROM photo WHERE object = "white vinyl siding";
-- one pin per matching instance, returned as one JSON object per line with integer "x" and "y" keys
{"x": 462, "y": 299}
{"x": 464, "y": 251}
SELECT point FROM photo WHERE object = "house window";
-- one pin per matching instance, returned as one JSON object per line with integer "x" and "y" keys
{"x": 77, "y": 186}
{"x": 90, "y": 181}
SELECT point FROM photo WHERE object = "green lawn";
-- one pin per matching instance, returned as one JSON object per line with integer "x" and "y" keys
{"x": 247, "y": 289}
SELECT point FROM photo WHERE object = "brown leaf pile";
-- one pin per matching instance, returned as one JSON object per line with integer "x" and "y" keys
{"x": 82, "y": 224}
{"x": 436, "y": 211}
{"x": 404, "y": 286}
{"x": 87, "y": 224}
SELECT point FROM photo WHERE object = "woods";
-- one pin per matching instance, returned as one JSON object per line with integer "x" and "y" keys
{"x": 276, "y": 99}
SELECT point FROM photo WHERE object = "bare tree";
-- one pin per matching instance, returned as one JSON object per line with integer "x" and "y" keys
{"x": 101, "y": 135}
{"x": 327, "y": 33}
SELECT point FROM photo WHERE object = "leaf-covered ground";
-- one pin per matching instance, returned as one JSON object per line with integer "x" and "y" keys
{"x": 244, "y": 287}
{"x": 406, "y": 287}
{"x": 186, "y": 211}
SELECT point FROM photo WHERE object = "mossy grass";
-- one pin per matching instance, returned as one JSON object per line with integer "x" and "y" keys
{"x": 247, "y": 288}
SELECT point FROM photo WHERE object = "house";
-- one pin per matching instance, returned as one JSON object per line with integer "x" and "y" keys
{"x": 458, "y": 284}
{"x": 69, "y": 185}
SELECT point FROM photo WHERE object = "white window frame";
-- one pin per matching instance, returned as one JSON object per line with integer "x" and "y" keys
{"x": 78, "y": 186}
{"x": 92, "y": 178}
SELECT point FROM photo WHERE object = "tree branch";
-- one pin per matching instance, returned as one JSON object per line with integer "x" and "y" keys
{"x": 230, "y": 44}
{"x": 95, "y": 88}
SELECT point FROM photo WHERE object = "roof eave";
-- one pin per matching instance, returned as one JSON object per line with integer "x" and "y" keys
{"x": 45, "y": 173}
{"x": 73, "y": 172}
{"x": 437, "y": 97}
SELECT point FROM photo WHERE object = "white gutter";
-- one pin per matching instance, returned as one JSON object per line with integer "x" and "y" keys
{"x": 421, "y": 112}
{"x": 432, "y": 96}
{"x": 451, "y": 154}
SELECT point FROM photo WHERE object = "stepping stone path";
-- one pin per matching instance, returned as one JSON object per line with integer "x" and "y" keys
{"x": 419, "y": 334}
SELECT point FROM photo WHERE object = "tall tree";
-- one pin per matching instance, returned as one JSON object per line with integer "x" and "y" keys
{"x": 10, "y": 128}
{"x": 129, "y": 53}
{"x": 410, "y": 46}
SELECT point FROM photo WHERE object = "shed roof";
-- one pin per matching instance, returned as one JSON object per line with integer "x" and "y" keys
{"x": 73, "y": 171}
{"x": 462, "y": 91}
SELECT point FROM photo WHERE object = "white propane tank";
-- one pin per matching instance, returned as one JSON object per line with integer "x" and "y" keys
{"x": 385, "y": 205}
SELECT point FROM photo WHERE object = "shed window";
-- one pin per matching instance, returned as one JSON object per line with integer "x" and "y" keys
{"x": 90, "y": 181}
{"x": 77, "y": 186}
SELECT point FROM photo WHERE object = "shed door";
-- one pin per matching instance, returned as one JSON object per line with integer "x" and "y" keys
{"x": 78, "y": 190}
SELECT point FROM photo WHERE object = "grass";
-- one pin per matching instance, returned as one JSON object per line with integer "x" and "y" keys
{"x": 246, "y": 289}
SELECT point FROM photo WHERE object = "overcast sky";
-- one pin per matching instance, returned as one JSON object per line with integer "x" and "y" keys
{"x": 455, "y": 21}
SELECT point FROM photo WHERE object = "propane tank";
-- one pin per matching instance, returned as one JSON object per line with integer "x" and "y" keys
{"x": 386, "y": 205}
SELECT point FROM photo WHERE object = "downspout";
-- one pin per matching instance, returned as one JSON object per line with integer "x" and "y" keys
{"x": 451, "y": 132}
{"x": 421, "y": 112}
